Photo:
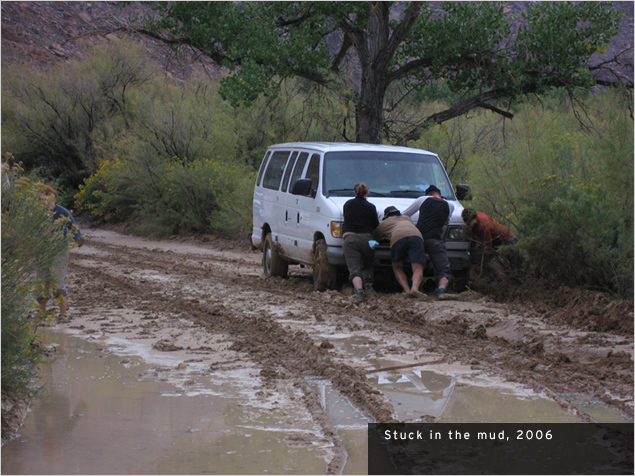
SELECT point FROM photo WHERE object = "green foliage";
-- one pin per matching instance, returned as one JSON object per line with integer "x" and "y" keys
{"x": 200, "y": 196}
{"x": 30, "y": 242}
{"x": 60, "y": 118}
{"x": 393, "y": 50}
{"x": 566, "y": 189}
{"x": 578, "y": 238}
{"x": 558, "y": 40}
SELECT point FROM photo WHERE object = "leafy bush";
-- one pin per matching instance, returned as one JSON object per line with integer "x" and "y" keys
{"x": 201, "y": 196}
{"x": 578, "y": 238}
{"x": 566, "y": 189}
{"x": 29, "y": 242}
{"x": 60, "y": 118}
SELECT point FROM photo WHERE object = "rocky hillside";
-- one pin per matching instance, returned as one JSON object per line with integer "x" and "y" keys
{"x": 46, "y": 33}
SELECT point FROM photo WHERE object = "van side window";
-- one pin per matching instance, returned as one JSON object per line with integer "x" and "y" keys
{"x": 313, "y": 172}
{"x": 273, "y": 174}
{"x": 299, "y": 168}
{"x": 263, "y": 166}
{"x": 287, "y": 173}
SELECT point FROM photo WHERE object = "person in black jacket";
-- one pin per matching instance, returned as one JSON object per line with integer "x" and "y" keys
{"x": 434, "y": 213}
{"x": 360, "y": 220}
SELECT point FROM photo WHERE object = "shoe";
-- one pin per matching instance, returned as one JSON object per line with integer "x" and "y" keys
{"x": 417, "y": 295}
{"x": 443, "y": 293}
{"x": 358, "y": 294}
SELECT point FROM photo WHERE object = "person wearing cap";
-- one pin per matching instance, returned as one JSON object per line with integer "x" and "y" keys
{"x": 59, "y": 269}
{"x": 486, "y": 235}
{"x": 434, "y": 213}
{"x": 360, "y": 220}
{"x": 406, "y": 243}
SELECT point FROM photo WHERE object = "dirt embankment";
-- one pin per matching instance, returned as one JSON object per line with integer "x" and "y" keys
{"x": 208, "y": 300}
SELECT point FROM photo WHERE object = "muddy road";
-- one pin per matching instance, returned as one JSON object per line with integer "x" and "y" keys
{"x": 206, "y": 303}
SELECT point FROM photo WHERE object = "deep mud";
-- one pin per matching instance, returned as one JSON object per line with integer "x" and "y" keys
{"x": 206, "y": 302}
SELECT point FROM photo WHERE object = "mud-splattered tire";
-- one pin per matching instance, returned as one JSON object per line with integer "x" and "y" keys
{"x": 324, "y": 274}
{"x": 272, "y": 263}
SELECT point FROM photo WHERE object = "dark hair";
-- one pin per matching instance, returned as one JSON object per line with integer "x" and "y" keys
{"x": 468, "y": 214}
{"x": 361, "y": 190}
{"x": 432, "y": 189}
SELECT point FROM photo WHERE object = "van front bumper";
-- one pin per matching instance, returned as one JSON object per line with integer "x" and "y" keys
{"x": 459, "y": 259}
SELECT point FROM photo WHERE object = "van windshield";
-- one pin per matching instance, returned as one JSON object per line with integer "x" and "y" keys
{"x": 389, "y": 174}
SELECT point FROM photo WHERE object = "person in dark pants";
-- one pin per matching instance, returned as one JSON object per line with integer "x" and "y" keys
{"x": 434, "y": 213}
{"x": 406, "y": 243}
{"x": 360, "y": 220}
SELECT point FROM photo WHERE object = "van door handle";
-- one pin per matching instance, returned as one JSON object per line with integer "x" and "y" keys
{"x": 286, "y": 215}
{"x": 298, "y": 217}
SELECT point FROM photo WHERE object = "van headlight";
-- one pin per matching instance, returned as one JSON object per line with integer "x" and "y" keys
{"x": 455, "y": 233}
{"x": 336, "y": 229}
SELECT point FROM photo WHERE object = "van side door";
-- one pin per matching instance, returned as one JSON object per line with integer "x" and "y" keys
{"x": 295, "y": 170}
{"x": 307, "y": 210}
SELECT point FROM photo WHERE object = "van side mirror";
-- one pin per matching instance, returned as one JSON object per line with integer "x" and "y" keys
{"x": 463, "y": 191}
{"x": 302, "y": 187}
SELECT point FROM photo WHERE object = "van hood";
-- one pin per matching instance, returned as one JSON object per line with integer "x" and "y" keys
{"x": 381, "y": 203}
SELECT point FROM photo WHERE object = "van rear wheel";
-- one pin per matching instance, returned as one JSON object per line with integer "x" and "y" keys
{"x": 324, "y": 273}
{"x": 273, "y": 264}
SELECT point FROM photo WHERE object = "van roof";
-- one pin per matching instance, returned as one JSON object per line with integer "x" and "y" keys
{"x": 346, "y": 146}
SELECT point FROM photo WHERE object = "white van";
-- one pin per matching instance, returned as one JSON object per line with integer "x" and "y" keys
{"x": 301, "y": 189}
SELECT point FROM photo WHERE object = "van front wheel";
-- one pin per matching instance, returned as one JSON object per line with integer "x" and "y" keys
{"x": 324, "y": 273}
{"x": 272, "y": 263}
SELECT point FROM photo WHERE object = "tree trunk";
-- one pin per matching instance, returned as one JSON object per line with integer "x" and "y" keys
{"x": 375, "y": 50}
{"x": 373, "y": 55}
{"x": 369, "y": 114}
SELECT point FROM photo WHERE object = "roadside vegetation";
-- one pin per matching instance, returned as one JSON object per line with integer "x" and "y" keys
{"x": 30, "y": 242}
{"x": 131, "y": 146}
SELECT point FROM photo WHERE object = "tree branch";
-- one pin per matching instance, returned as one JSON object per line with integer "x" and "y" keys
{"x": 479, "y": 100}
{"x": 399, "y": 34}
{"x": 346, "y": 45}
{"x": 484, "y": 105}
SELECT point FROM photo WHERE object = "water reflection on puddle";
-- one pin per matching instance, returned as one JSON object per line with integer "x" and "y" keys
{"x": 105, "y": 413}
{"x": 108, "y": 414}
{"x": 454, "y": 393}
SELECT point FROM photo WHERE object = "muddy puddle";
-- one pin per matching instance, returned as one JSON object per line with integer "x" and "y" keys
{"x": 106, "y": 411}
{"x": 423, "y": 385}
{"x": 112, "y": 407}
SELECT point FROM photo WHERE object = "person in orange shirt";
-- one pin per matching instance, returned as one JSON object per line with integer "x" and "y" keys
{"x": 486, "y": 235}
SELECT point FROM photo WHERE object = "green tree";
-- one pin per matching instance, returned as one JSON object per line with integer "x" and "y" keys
{"x": 379, "y": 54}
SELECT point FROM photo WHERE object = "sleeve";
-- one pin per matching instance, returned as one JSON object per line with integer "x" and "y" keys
{"x": 414, "y": 206}
{"x": 380, "y": 231}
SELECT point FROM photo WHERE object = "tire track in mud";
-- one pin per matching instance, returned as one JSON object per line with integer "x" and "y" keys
{"x": 459, "y": 337}
{"x": 282, "y": 353}
{"x": 265, "y": 340}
